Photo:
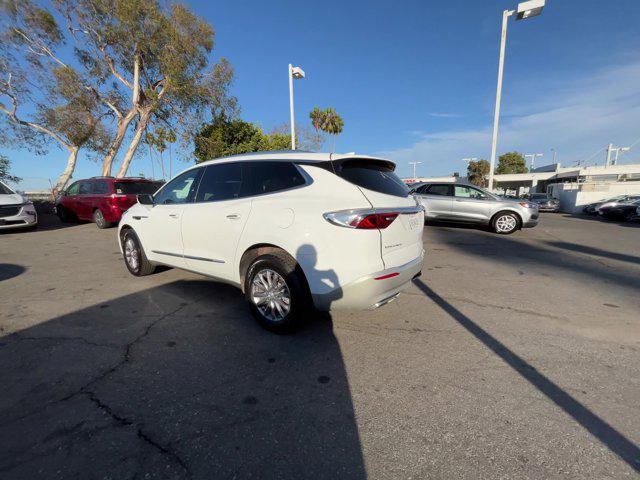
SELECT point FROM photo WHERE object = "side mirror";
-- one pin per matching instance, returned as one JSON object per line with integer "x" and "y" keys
{"x": 145, "y": 199}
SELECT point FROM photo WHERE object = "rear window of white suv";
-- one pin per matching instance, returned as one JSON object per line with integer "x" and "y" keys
{"x": 373, "y": 175}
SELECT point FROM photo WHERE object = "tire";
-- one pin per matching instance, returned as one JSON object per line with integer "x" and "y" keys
{"x": 280, "y": 277}
{"x": 99, "y": 220}
{"x": 505, "y": 223}
{"x": 65, "y": 215}
{"x": 134, "y": 256}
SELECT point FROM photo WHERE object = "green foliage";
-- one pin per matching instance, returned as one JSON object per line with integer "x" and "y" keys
{"x": 5, "y": 167}
{"x": 478, "y": 172}
{"x": 511, "y": 162}
{"x": 224, "y": 137}
{"x": 328, "y": 121}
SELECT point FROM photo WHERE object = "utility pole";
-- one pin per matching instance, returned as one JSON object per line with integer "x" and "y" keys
{"x": 414, "y": 168}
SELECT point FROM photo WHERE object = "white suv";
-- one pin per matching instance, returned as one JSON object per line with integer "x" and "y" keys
{"x": 291, "y": 229}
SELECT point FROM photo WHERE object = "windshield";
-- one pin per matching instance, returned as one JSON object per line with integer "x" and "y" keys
{"x": 538, "y": 196}
{"x": 4, "y": 190}
{"x": 137, "y": 188}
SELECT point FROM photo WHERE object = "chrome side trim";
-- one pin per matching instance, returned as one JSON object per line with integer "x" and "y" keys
{"x": 189, "y": 257}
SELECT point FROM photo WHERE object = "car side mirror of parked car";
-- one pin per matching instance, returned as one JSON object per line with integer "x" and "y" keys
{"x": 145, "y": 199}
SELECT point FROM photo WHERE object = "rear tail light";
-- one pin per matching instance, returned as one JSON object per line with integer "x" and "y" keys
{"x": 362, "y": 219}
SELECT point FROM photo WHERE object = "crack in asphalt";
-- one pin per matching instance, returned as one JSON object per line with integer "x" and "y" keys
{"x": 91, "y": 395}
{"x": 20, "y": 338}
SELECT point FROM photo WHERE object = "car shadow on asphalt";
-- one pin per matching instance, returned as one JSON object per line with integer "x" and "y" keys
{"x": 596, "y": 426}
{"x": 574, "y": 247}
{"x": 556, "y": 262}
{"x": 177, "y": 381}
{"x": 601, "y": 219}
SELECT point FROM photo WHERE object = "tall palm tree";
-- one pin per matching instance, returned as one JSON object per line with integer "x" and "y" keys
{"x": 332, "y": 125}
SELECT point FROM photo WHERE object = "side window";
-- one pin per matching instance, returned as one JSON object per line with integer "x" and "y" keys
{"x": 85, "y": 188}
{"x": 179, "y": 190}
{"x": 74, "y": 189}
{"x": 442, "y": 190}
{"x": 220, "y": 182}
{"x": 422, "y": 189}
{"x": 268, "y": 177}
{"x": 100, "y": 187}
{"x": 469, "y": 192}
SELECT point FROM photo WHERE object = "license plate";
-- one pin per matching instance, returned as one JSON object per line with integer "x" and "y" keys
{"x": 415, "y": 222}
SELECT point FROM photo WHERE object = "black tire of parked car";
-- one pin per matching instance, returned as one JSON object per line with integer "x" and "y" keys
{"x": 293, "y": 277}
{"x": 65, "y": 215}
{"x": 99, "y": 220}
{"x": 144, "y": 267}
{"x": 503, "y": 215}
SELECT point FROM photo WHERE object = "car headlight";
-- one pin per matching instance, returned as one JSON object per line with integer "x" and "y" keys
{"x": 528, "y": 205}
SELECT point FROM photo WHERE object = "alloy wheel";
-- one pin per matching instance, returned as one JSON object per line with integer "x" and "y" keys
{"x": 131, "y": 254}
{"x": 506, "y": 223}
{"x": 270, "y": 294}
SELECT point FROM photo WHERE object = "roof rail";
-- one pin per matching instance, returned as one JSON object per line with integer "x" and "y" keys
{"x": 101, "y": 176}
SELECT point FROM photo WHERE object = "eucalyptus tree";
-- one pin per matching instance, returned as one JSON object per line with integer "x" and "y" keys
{"x": 159, "y": 55}
{"x": 43, "y": 99}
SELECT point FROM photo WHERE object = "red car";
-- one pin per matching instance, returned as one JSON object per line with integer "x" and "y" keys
{"x": 101, "y": 199}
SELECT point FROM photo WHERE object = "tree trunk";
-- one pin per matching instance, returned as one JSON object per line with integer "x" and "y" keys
{"x": 135, "y": 141}
{"x": 123, "y": 124}
{"x": 68, "y": 171}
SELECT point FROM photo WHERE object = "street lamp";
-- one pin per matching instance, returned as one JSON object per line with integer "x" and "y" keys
{"x": 525, "y": 10}
{"x": 294, "y": 72}
{"x": 533, "y": 158}
{"x": 617, "y": 150}
{"x": 414, "y": 168}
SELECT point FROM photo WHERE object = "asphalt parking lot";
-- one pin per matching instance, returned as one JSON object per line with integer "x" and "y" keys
{"x": 512, "y": 357}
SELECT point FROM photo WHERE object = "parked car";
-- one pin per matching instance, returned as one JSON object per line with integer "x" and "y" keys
{"x": 545, "y": 202}
{"x": 621, "y": 210}
{"x": 101, "y": 199}
{"x": 593, "y": 208}
{"x": 290, "y": 229}
{"x": 460, "y": 202}
{"x": 16, "y": 211}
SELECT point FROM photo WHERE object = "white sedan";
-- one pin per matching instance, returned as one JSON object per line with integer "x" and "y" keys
{"x": 16, "y": 211}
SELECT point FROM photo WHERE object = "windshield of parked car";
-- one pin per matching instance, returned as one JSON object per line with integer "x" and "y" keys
{"x": 4, "y": 190}
{"x": 137, "y": 188}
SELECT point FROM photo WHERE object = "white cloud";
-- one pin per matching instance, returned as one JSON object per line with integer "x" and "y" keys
{"x": 577, "y": 118}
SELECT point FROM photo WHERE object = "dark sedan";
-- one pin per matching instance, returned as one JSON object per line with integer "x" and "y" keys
{"x": 545, "y": 203}
{"x": 625, "y": 211}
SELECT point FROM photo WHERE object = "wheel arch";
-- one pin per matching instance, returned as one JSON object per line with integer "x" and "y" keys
{"x": 259, "y": 249}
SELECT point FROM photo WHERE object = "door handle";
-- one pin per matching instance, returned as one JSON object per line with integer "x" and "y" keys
{"x": 173, "y": 215}
{"x": 233, "y": 216}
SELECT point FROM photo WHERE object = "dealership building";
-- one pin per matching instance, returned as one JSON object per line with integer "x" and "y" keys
{"x": 573, "y": 186}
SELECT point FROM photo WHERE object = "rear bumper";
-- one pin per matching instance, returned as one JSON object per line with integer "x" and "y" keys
{"x": 367, "y": 293}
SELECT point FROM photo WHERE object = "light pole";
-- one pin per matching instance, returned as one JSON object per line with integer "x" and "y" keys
{"x": 533, "y": 159}
{"x": 617, "y": 150}
{"x": 294, "y": 72}
{"x": 554, "y": 155}
{"x": 414, "y": 168}
{"x": 525, "y": 10}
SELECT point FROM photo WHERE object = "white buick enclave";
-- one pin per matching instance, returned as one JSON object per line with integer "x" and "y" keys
{"x": 291, "y": 229}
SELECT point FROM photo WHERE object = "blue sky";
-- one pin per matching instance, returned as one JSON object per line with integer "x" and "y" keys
{"x": 415, "y": 80}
